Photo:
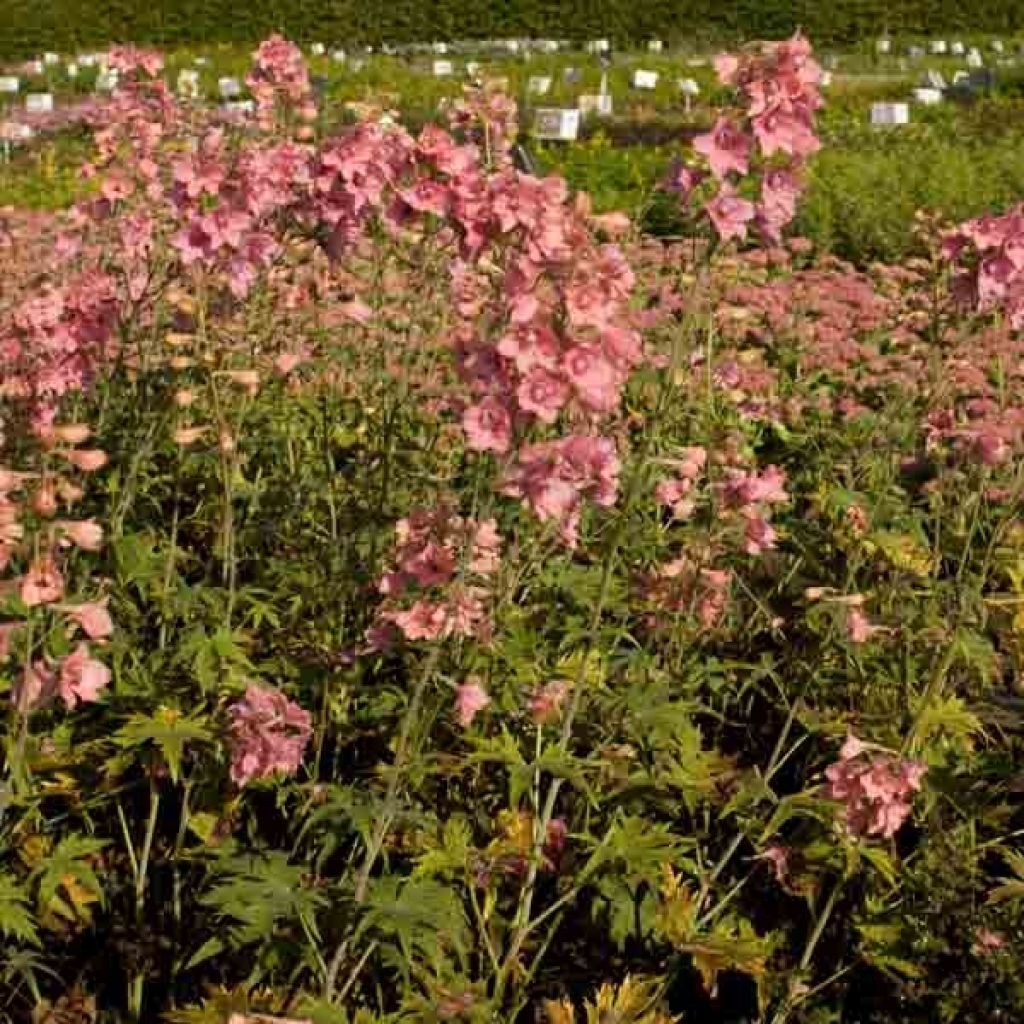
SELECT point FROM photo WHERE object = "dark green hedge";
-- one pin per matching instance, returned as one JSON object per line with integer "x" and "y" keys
{"x": 31, "y": 26}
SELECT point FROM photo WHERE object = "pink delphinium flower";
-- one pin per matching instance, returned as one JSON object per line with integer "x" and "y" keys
{"x": 269, "y": 733}
{"x": 553, "y": 478}
{"x": 542, "y": 393}
{"x": 42, "y": 584}
{"x": 778, "y": 857}
{"x": 87, "y": 534}
{"x": 986, "y": 942}
{"x": 546, "y": 702}
{"x": 488, "y": 426}
{"x": 859, "y": 628}
{"x": 726, "y": 147}
{"x": 779, "y": 88}
{"x": 730, "y": 214}
{"x": 676, "y": 492}
{"x": 81, "y": 677}
{"x": 684, "y": 181}
{"x": 433, "y": 545}
{"x": 875, "y": 787}
{"x": 92, "y": 618}
{"x": 470, "y": 699}
{"x": 87, "y": 460}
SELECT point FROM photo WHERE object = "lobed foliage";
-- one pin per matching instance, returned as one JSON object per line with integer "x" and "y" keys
{"x": 426, "y": 599}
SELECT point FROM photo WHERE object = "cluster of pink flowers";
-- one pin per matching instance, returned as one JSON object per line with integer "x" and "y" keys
{"x": 438, "y": 585}
{"x": 987, "y": 256}
{"x": 750, "y": 495}
{"x": 269, "y": 734}
{"x": 54, "y": 340}
{"x": 279, "y": 80}
{"x": 876, "y": 788}
{"x": 489, "y": 118}
{"x": 33, "y": 541}
{"x": 76, "y": 678}
{"x": 676, "y": 492}
{"x": 544, "y": 320}
{"x": 554, "y": 478}
{"x": 228, "y": 203}
{"x": 780, "y": 86}
{"x": 683, "y": 587}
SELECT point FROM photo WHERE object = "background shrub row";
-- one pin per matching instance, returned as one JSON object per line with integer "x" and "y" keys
{"x": 30, "y": 26}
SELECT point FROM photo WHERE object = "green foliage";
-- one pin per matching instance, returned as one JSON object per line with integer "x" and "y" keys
{"x": 69, "y": 24}
{"x": 658, "y": 841}
{"x": 16, "y": 920}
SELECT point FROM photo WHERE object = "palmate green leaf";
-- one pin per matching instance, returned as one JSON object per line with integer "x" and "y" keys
{"x": 450, "y": 856}
{"x": 627, "y": 913}
{"x": 16, "y": 921}
{"x": 68, "y": 867}
{"x": 420, "y": 917}
{"x": 880, "y": 859}
{"x": 345, "y": 813}
{"x": 217, "y": 660}
{"x": 503, "y": 749}
{"x": 882, "y": 941}
{"x": 167, "y": 729}
{"x": 258, "y": 893}
{"x": 641, "y": 846}
{"x": 138, "y": 561}
{"x": 945, "y": 720}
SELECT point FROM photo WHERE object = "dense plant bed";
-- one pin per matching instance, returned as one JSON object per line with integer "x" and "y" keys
{"x": 426, "y": 598}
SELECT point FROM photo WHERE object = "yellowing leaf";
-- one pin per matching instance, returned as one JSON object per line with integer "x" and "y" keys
{"x": 676, "y": 919}
{"x": 903, "y": 551}
{"x": 559, "y": 1011}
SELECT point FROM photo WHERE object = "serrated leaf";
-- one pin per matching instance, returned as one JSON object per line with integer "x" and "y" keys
{"x": 16, "y": 921}
{"x": 167, "y": 729}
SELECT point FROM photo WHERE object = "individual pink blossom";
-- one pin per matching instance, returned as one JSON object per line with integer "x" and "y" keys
{"x": 726, "y": 147}
{"x": 92, "y": 618}
{"x": 726, "y": 66}
{"x": 42, "y": 584}
{"x": 778, "y": 857}
{"x": 546, "y": 702}
{"x": 593, "y": 377}
{"x": 542, "y": 393}
{"x": 753, "y": 488}
{"x": 470, "y": 699}
{"x": 35, "y": 688}
{"x": 488, "y": 426}
{"x": 269, "y": 733}
{"x": 986, "y": 942}
{"x": 730, "y": 214}
{"x": 684, "y": 180}
{"x": 555, "y": 839}
{"x": 852, "y": 748}
{"x": 87, "y": 460}
{"x": 86, "y": 534}
{"x": 859, "y": 628}
{"x": 81, "y": 677}
{"x": 758, "y": 533}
